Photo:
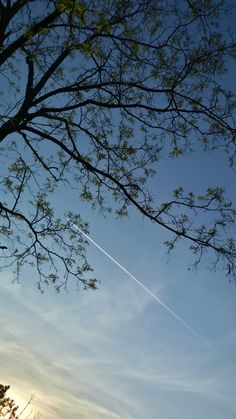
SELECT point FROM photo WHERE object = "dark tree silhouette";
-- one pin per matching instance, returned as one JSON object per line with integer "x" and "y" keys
{"x": 8, "y": 407}
{"x": 94, "y": 93}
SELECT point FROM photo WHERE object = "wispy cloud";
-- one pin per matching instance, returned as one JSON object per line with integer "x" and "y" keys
{"x": 59, "y": 352}
{"x": 86, "y": 356}
{"x": 218, "y": 388}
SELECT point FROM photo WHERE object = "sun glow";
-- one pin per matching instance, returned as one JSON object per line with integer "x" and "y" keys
{"x": 17, "y": 406}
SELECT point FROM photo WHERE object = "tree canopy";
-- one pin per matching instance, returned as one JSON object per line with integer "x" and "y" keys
{"x": 94, "y": 93}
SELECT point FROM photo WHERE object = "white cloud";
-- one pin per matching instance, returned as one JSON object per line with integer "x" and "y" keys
{"x": 54, "y": 350}
{"x": 85, "y": 355}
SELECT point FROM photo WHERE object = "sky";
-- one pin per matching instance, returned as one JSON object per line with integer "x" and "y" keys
{"x": 116, "y": 353}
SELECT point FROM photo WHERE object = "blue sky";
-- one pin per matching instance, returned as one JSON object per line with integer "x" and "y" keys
{"x": 115, "y": 352}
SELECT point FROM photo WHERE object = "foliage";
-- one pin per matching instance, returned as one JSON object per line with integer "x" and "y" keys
{"x": 8, "y": 408}
{"x": 95, "y": 93}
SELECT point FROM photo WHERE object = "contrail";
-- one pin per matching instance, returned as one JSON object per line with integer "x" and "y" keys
{"x": 167, "y": 308}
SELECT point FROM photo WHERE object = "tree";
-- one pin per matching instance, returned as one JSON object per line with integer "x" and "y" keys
{"x": 8, "y": 407}
{"x": 94, "y": 94}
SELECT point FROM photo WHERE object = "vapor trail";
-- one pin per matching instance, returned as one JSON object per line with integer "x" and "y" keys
{"x": 167, "y": 308}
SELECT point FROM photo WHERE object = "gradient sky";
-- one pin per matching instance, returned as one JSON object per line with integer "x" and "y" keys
{"x": 115, "y": 353}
